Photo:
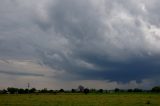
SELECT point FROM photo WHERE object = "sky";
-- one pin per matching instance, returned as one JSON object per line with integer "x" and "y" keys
{"x": 65, "y": 43}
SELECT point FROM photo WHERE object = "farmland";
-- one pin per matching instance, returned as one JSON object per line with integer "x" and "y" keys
{"x": 78, "y": 99}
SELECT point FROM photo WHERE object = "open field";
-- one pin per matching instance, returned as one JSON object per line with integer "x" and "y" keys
{"x": 121, "y": 99}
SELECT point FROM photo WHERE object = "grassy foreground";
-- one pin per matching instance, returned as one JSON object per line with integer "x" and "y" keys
{"x": 81, "y": 100}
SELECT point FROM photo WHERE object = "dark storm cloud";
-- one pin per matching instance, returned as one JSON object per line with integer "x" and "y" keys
{"x": 114, "y": 40}
{"x": 135, "y": 69}
{"x": 91, "y": 41}
{"x": 127, "y": 71}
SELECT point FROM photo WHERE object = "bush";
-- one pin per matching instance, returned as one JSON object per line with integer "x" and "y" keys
{"x": 156, "y": 89}
{"x": 86, "y": 90}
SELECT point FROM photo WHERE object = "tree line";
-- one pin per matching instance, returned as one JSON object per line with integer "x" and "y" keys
{"x": 80, "y": 89}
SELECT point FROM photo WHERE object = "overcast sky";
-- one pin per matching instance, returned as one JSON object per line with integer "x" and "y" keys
{"x": 65, "y": 43}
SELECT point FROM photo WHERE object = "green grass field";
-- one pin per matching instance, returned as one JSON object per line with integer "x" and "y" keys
{"x": 81, "y": 100}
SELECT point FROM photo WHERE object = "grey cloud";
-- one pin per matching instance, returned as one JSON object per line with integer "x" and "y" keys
{"x": 122, "y": 40}
{"x": 20, "y": 73}
{"x": 104, "y": 40}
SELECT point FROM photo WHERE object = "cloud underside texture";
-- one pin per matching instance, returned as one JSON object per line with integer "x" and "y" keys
{"x": 114, "y": 40}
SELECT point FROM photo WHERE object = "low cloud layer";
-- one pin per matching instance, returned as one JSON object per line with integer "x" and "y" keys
{"x": 94, "y": 40}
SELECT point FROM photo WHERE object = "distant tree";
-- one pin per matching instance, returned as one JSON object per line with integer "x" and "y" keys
{"x": 86, "y": 90}
{"x": 44, "y": 90}
{"x": 129, "y": 90}
{"x": 116, "y": 89}
{"x": 12, "y": 90}
{"x": 137, "y": 90}
{"x": 32, "y": 90}
{"x": 50, "y": 91}
{"x": 21, "y": 91}
{"x": 81, "y": 88}
{"x": 26, "y": 90}
{"x": 61, "y": 90}
{"x": 100, "y": 90}
{"x": 73, "y": 90}
{"x": 156, "y": 89}
{"x": 4, "y": 91}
